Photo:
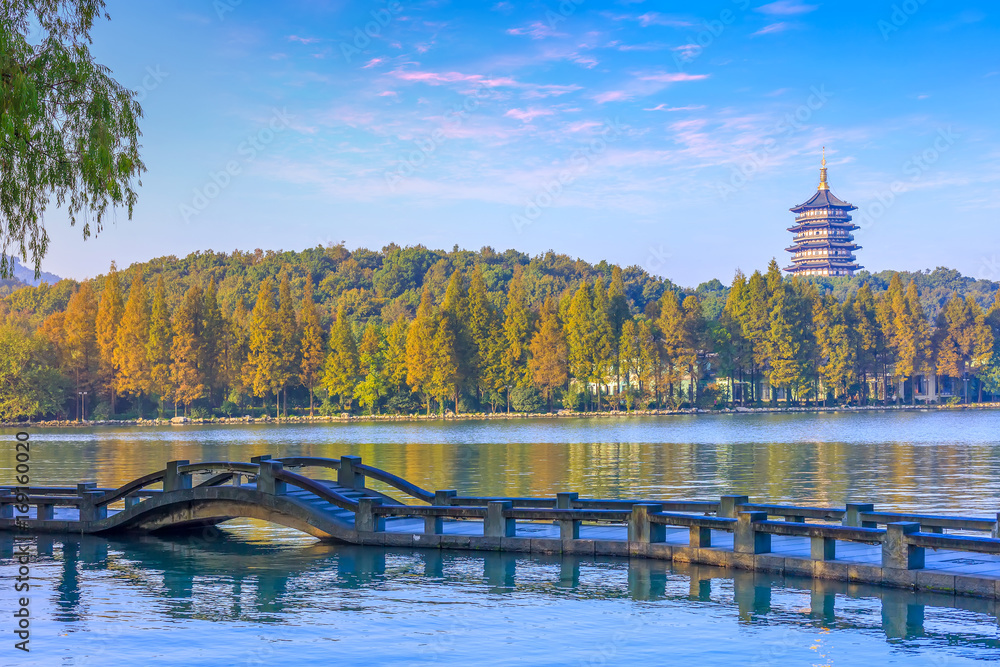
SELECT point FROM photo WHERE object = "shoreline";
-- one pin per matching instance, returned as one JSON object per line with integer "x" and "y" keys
{"x": 481, "y": 416}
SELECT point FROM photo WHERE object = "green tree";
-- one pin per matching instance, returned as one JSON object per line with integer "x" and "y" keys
{"x": 516, "y": 335}
{"x": 455, "y": 315}
{"x": 485, "y": 336}
{"x": 341, "y": 371}
{"x": 374, "y": 383}
{"x": 159, "y": 347}
{"x": 288, "y": 338}
{"x": 70, "y": 132}
{"x": 186, "y": 372}
{"x": 213, "y": 349}
{"x": 30, "y": 383}
{"x": 109, "y": 315}
{"x": 837, "y": 351}
{"x": 133, "y": 373}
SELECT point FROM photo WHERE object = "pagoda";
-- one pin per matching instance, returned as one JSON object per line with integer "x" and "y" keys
{"x": 823, "y": 243}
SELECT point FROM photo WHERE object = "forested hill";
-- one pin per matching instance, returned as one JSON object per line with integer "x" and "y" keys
{"x": 384, "y": 284}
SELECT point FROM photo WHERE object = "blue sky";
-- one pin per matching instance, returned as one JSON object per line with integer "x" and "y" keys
{"x": 674, "y": 136}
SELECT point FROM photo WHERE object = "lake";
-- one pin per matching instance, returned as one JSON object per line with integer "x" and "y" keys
{"x": 252, "y": 593}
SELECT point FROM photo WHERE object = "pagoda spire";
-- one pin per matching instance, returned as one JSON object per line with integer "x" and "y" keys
{"x": 823, "y": 185}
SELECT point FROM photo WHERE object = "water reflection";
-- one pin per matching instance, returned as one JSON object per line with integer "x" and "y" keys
{"x": 227, "y": 578}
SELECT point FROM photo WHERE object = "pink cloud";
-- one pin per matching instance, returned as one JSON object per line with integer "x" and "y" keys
{"x": 536, "y": 30}
{"x": 440, "y": 78}
{"x": 612, "y": 96}
{"x": 303, "y": 40}
{"x": 673, "y": 77}
{"x": 373, "y": 62}
{"x": 786, "y": 8}
{"x": 529, "y": 114}
{"x": 665, "y": 107}
{"x": 780, "y": 26}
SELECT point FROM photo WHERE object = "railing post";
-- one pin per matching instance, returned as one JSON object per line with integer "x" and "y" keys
{"x": 746, "y": 538}
{"x": 496, "y": 524}
{"x": 569, "y": 529}
{"x": 266, "y": 482}
{"x": 89, "y": 511}
{"x": 132, "y": 500}
{"x": 348, "y": 476}
{"x": 853, "y": 515}
{"x": 443, "y": 498}
{"x": 995, "y": 533}
{"x": 897, "y": 552}
{"x": 640, "y": 529}
{"x": 434, "y": 525}
{"x": 728, "y": 505}
{"x": 236, "y": 478}
{"x": 564, "y": 501}
{"x": 258, "y": 459}
{"x": 365, "y": 519}
{"x": 7, "y": 507}
{"x": 46, "y": 512}
{"x": 822, "y": 548}
{"x": 174, "y": 481}
{"x": 700, "y": 537}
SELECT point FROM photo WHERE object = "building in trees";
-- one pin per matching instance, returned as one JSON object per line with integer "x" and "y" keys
{"x": 823, "y": 243}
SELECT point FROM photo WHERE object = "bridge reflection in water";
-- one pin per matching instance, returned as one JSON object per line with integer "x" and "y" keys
{"x": 215, "y": 575}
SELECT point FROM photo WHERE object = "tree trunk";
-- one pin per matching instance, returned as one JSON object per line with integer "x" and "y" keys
{"x": 310, "y": 401}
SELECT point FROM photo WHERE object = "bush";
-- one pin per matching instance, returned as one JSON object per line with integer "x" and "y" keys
{"x": 526, "y": 399}
{"x": 574, "y": 399}
{"x": 228, "y": 408}
{"x": 101, "y": 411}
{"x": 402, "y": 404}
{"x": 200, "y": 413}
{"x": 467, "y": 403}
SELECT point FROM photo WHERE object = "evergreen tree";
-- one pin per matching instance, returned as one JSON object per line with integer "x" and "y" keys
{"x": 606, "y": 344}
{"x": 395, "y": 356}
{"x": 455, "y": 314}
{"x": 213, "y": 348}
{"x": 109, "y": 315}
{"x": 261, "y": 369}
{"x": 444, "y": 361}
{"x": 341, "y": 371}
{"x": 581, "y": 337}
{"x": 549, "y": 353}
{"x": 80, "y": 351}
{"x": 837, "y": 351}
{"x": 374, "y": 382}
{"x": 130, "y": 349}
{"x": 671, "y": 326}
{"x": 516, "y": 334}
{"x": 485, "y": 337}
{"x": 311, "y": 347}
{"x": 158, "y": 348}
{"x": 618, "y": 314}
{"x": 288, "y": 338}
{"x": 186, "y": 371}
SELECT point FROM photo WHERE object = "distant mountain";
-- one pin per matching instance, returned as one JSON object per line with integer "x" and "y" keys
{"x": 27, "y": 275}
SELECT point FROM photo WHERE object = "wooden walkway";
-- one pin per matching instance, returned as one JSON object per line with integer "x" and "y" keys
{"x": 854, "y": 543}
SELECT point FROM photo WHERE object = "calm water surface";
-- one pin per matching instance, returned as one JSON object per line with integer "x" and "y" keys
{"x": 258, "y": 594}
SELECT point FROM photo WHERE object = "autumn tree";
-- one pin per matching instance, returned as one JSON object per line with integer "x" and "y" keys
{"x": 311, "y": 346}
{"x": 420, "y": 348}
{"x": 80, "y": 351}
{"x": 288, "y": 338}
{"x": 549, "y": 352}
{"x": 261, "y": 371}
